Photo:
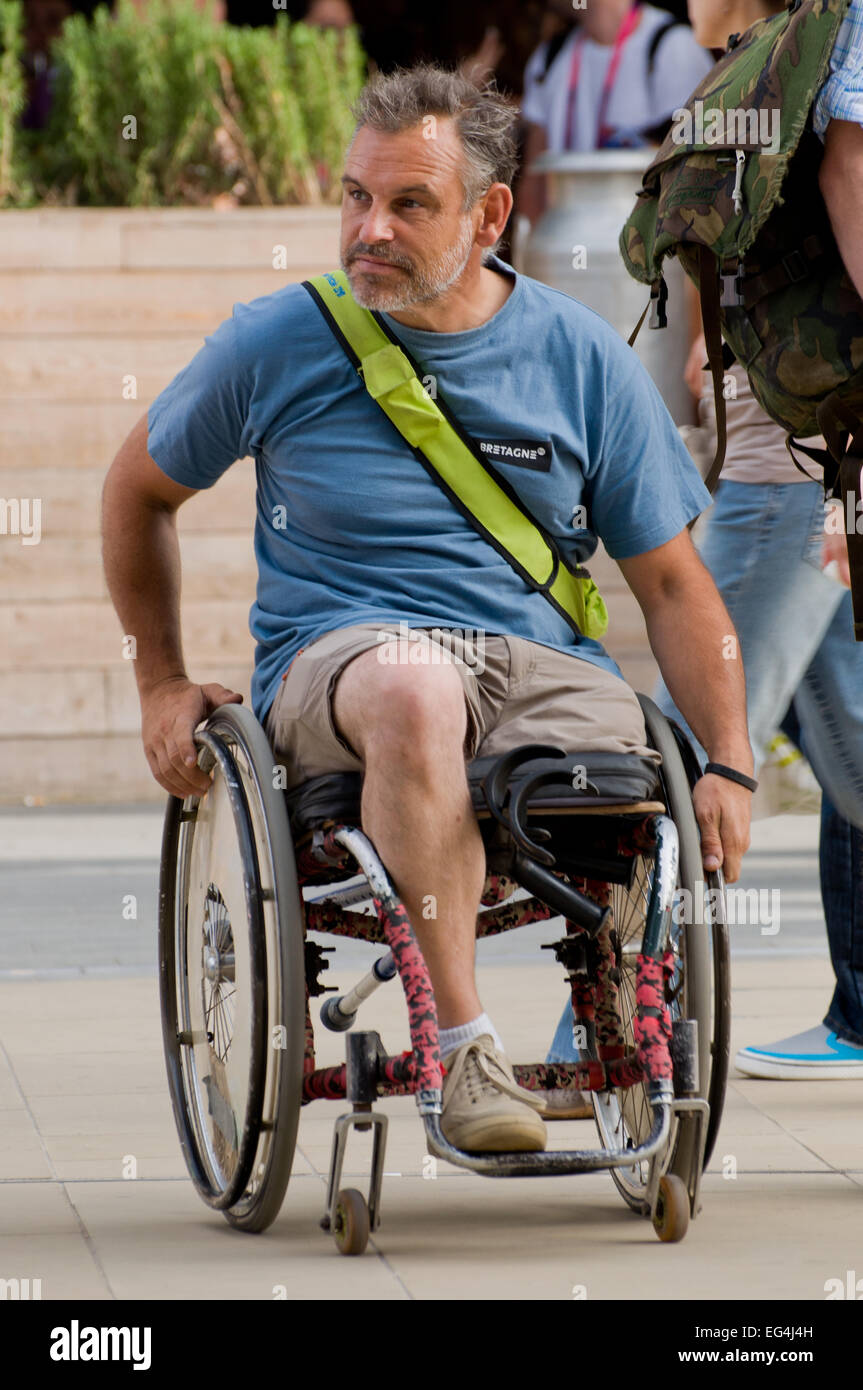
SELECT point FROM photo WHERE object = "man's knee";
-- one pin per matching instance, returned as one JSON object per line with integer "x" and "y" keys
{"x": 416, "y": 710}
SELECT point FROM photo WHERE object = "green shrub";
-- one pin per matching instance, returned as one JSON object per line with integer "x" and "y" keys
{"x": 329, "y": 70}
{"x": 15, "y": 188}
{"x": 172, "y": 107}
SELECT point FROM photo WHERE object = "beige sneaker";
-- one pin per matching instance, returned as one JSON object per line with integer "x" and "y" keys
{"x": 484, "y": 1108}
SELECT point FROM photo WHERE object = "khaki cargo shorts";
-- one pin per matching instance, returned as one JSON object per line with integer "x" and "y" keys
{"x": 515, "y": 692}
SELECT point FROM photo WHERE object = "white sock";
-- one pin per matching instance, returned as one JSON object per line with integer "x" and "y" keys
{"x": 451, "y": 1038}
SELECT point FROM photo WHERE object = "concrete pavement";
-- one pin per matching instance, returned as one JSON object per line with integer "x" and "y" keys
{"x": 95, "y": 1201}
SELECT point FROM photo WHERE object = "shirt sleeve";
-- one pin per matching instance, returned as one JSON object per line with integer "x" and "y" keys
{"x": 840, "y": 98}
{"x": 645, "y": 487}
{"x": 199, "y": 425}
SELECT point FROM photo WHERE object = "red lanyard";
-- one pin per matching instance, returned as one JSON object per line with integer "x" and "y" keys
{"x": 603, "y": 131}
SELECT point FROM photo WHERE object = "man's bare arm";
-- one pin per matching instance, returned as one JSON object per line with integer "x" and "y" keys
{"x": 142, "y": 566}
{"x": 694, "y": 642}
{"x": 841, "y": 181}
{"x": 142, "y": 557}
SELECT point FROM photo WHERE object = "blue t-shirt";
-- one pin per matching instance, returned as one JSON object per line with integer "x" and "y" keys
{"x": 351, "y": 529}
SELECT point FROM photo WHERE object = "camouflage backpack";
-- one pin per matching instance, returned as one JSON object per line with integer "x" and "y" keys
{"x": 733, "y": 193}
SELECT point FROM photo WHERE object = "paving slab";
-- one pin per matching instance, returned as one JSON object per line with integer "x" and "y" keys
{"x": 82, "y": 1090}
{"x": 159, "y": 1241}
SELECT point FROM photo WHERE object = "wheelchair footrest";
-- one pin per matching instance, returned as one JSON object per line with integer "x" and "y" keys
{"x": 550, "y": 1163}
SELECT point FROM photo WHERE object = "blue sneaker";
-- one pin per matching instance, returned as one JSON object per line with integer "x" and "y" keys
{"x": 811, "y": 1056}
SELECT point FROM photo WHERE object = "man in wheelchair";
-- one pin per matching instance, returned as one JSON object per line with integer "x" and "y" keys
{"x": 429, "y": 479}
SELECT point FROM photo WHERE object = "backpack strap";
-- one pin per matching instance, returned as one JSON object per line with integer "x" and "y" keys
{"x": 656, "y": 39}
{"x": 450, "y": 457}
{"x": 717, "y": 351}
{"x": 795, "y": 265}
{"x": 553, "y": 47}
{"x": 823, "y": 457}
{"x": 708, "y": 292}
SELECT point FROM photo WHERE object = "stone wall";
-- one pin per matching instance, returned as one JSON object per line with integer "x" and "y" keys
{"x": 88, "y": 299}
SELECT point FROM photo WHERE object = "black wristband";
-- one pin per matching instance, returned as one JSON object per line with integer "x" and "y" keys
{"x": 733, "y": 776}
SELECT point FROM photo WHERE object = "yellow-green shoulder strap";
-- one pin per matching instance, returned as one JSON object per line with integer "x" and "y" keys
{"x": 486, "y": 499}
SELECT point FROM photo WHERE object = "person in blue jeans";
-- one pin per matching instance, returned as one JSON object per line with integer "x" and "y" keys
{"x": 764, "y": 543}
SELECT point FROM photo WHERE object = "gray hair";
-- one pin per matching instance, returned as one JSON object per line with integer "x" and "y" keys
{"x": 484, "y": 118}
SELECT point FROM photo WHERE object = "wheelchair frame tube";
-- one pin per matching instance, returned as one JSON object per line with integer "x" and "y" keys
{"x": 338, "y": 1014}
{"x": 665, "y": 881}
{"x": 410, "y": 963}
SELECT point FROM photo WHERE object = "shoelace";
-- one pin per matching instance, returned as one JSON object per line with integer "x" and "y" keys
{"x": 485, "y": 1074}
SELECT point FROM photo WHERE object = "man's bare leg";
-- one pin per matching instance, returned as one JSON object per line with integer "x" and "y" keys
{"x": 408, "y": 723}
{"x": 841, "y": 181}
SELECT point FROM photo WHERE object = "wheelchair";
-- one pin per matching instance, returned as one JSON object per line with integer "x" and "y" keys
{"x": 604, "y": 841}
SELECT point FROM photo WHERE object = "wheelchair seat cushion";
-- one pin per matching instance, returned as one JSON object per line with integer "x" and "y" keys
{"x": 611, "y": 779}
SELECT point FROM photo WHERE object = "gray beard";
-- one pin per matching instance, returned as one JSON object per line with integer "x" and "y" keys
{"x": 423, "y": 285}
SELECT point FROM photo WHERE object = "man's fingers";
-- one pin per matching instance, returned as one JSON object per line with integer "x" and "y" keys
{"x": 163, "y": 773}
{"x": 731, "y": 865}
{"x": 723, "y": 819}
{"x": 182, "y": 749}
{"x": 707, "y": 813}
{"x": 712, "y": 853}
{"x": 216, "y": 694}
{"x": 170, "y": 771}
{"x": 186, "y": 748}
{"x": 171, "y": 712}
{"x": 193, "y": 781}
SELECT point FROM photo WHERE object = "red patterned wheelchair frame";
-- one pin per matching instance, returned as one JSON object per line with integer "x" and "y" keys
{"x": 595, "y": 1000}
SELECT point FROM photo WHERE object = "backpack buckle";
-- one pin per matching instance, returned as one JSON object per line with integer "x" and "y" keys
{"x": 731, "y": 294}
{"x": 658, "y": 300}
{"x": 796, "y": 266}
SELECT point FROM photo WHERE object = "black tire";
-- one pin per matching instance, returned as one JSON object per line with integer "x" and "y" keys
{"x": 249, "y": 1185}
{"x": 720, "y": 1043}
{"x": 706, "y": 945}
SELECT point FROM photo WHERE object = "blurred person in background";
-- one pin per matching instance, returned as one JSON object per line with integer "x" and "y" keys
{"x": 43, "y": 22}
{"x": 612, "y": 80}
{"x": 796, "y": 626}
{"x": 766, "y": 546}
{"x": 329, "y": 14}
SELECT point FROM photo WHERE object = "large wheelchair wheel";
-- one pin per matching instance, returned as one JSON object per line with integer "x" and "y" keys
{"x": 700, "y": 985}
{"x": 231, "y": 972}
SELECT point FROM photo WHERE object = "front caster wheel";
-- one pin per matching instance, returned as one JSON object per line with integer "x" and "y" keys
{"x": 671, "y": 1218}
{"x": 351, "y": 1222}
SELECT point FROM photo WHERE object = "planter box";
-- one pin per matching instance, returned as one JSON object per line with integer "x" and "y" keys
{"x": 89, "y": 296}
